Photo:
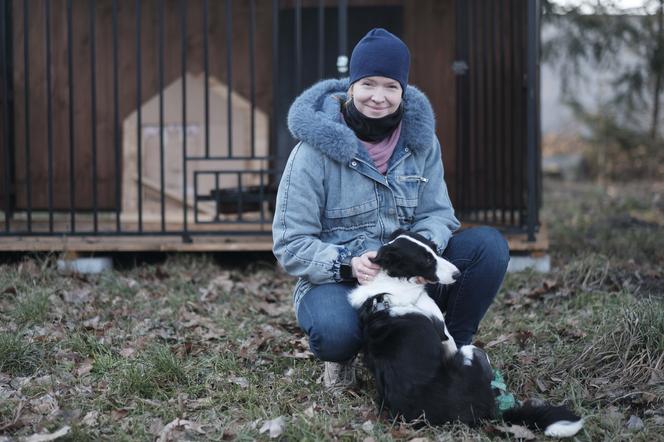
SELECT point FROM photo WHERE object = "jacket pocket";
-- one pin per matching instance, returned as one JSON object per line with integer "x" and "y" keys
{"x": 406, "y": 209}
{"x": 350, "y": 218}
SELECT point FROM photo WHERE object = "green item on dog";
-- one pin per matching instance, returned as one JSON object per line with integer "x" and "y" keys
{"x": 504, "y": 400}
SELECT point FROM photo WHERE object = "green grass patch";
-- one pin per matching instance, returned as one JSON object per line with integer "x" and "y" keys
{"x": 19, "y": 356}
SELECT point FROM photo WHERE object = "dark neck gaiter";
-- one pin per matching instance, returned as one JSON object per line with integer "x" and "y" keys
{"x": 370, "y": 129}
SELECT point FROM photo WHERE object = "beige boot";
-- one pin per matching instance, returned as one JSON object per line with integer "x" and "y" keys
{"x": 339, "y": 376}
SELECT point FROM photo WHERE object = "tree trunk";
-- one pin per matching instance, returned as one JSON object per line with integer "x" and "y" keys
{"x": 658, "y": 73}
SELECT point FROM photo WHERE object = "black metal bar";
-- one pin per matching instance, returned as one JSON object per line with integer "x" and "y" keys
{"x": 533, "y": 57}
{"x": 321, "y": 39}
{"x": 139, "y": 117}
{"x": 116, "y": 118}
{"x": 486, "y": 120}
{"x": 162, "y": 175}
{"x": 217, "y": 205}
{"x": 275, "y": 79}
{"x": 343, "y": 27}
{"x": 298, "y": 45}
{"x": 26, "y": 97}
{"x": 261, "y": 196}
{"x": 206, "y": 85}
{"x": 502, "y": 37}
{"x": 6, "y": 78}
{"x": 519, "y": 104}
{"x": 93, "y": 95}
{"x": 474, "y": 162}
{"x": 72, "y": 153}
{"x": 252, "y": 73}
{"x": 239, "y": 196}
{"x": 196, "y": 173}
{"x": 49, "y": 114}
{"x": 229, "y": 74}
{"x": 493, "y": 126}
{"x": 514, "y": 169}
{"x": 183, "y": 17}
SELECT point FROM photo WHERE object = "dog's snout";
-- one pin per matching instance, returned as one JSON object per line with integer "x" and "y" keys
{"x": 456, "y": 274}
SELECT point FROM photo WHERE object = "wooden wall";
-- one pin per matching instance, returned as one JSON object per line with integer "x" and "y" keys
{"x": 429, "y": 32}
{"x": 127, "y": 74}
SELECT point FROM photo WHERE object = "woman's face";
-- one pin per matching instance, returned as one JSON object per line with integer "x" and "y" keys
{"x": 376, "y": 97}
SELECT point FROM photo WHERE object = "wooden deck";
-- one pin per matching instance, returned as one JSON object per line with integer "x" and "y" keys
{"x": 253, "y": 237}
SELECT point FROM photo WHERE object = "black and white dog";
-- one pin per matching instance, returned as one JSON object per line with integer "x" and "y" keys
{"x": 417, "y": 368}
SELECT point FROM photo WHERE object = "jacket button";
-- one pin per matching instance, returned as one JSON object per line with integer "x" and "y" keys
{"x": 406, "y": 150}
{"x": 353, "y": 164}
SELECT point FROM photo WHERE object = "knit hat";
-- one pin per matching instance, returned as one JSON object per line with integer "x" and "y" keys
{"x": 380, "y": 53}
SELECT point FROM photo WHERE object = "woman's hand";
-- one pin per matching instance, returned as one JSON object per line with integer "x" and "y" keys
{"x": 363, "y": 269}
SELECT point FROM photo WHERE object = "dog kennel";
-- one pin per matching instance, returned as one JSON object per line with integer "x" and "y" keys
{"x": 161, "y": 124}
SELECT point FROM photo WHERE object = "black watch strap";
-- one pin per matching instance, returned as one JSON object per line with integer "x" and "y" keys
{"x": 346, "y": 272}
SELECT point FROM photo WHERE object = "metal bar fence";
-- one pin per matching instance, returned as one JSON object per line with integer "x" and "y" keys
{"x": 489, "y": 176}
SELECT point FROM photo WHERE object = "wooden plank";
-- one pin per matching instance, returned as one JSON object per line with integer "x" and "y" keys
{"x": 430, "y": 33}
{"x": 135, "y": 244}
{"x": 224, "y": 243}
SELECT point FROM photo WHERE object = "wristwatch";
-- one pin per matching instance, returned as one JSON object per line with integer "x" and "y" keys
{"x": 346, "y": 272}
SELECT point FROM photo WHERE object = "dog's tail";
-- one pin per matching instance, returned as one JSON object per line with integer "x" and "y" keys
{"x": 555, "y": 421}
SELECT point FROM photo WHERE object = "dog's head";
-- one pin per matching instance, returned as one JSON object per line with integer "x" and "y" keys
{"x": 410, "y": 255}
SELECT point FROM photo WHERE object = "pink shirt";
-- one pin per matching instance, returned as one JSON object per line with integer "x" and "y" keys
{"x": 381, "y": 151}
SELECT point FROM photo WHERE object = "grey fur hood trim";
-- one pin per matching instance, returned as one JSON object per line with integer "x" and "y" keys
{"x": 314, "y": 117}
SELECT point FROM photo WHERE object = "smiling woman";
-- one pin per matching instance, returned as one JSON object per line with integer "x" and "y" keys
{"x": 376, "y": 97}
{"x": 369, "y": 163}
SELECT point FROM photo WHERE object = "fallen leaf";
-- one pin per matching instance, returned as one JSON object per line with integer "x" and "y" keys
{"x": 167, "y": 435}
{"x": 499, "y": 340}
{"x": 242, "y": 382}
{"x": 77, "y": 297}
{"x": 273, "y": 427}
{"x": 43, "y": 437}
{"x": 46, "y": 405}
{"x": 634, "y": 423}
{"x": 92, "y": 323}
{"x": 90, "y": 418}
{"x": 541, "y": 386}
{"x": 518, "y": 431}
{"x": 127, "y": 352}
{"x": 118, "y": 414}
{"x": 368, "y": 426}
{"x": 272, "y": 309}
{"x": 84, "y": 368}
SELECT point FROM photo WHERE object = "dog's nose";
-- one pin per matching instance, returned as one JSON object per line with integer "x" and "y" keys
{"x": 455, "y": 274}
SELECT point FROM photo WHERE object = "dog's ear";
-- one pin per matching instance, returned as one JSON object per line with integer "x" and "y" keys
{"x": 385, "y": 257}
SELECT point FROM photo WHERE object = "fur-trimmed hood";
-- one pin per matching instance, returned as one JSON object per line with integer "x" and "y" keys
{"x": 314, "y": 117}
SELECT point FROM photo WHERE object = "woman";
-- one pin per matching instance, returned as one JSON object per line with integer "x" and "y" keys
{"x": 368, "y": 162}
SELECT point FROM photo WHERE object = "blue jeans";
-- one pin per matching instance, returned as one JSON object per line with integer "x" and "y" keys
{"x": 481, "y": 254}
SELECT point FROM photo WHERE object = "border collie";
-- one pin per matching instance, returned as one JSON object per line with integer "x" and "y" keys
{"x": 417, "y": 368}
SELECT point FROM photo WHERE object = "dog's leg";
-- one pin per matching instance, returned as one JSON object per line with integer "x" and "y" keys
{"x": 431, "y": 308}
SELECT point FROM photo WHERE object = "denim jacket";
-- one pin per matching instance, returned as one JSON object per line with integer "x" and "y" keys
{"x": 333, "y": 204}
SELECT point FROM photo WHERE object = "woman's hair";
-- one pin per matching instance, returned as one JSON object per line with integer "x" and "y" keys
{"x": 349, "y": 97}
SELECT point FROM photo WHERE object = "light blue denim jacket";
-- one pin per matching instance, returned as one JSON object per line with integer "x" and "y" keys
{"x": 333, "y": 204}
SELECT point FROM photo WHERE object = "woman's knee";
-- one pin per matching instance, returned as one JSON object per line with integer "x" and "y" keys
{"x": 493, "y": 246}
{"x": 334, "y": 340}
{"x": 330, "y": 322}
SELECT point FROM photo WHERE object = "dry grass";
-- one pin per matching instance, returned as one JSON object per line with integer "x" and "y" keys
{"x": 190, "y": 347}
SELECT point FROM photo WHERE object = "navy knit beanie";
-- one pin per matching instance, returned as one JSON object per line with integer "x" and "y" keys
{"x": 380, "y": 53}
